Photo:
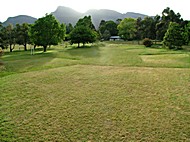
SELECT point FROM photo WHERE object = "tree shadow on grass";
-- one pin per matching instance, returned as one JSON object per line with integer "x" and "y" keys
{"x": 23, "y": 61}
{"x": 84, "y": 51}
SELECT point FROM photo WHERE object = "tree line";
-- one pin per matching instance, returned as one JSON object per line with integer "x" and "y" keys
{"x": 169, "y": 28}
{"x": 46, "y": 31}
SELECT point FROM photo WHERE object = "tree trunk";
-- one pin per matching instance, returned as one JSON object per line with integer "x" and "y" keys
{"x": 34, "y": 46}
{"x": 78, "y": 45}
{"x": 45, "y": 48}
{"x": 11, "y": 50}
{"x": 25, "y": 47}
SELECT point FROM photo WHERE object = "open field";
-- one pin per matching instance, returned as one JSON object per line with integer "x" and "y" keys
{"x": 106, "y": 93}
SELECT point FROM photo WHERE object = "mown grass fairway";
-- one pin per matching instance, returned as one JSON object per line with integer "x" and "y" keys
{"x": 110, "y": 93}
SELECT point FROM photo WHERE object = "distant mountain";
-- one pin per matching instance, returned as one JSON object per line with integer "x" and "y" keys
{"x": 134, "y": 15}
{"x": 20, "y": 20}
{"x": 68, "y": 15}
{"x": 103, "y": 14}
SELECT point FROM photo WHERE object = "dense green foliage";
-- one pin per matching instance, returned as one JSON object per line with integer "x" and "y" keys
{"x": 148, "y": 27}
{"x": 127, "y": 28}
{"x": 168, "y": 16}
{"x": 47, "y": 31}
{"x": 107, "y": 29}
{"x": 83, "y": 32}
{"x": 174, "y": 37}
{"x": 10, "y": 35}
{"x": 22, "y": 34}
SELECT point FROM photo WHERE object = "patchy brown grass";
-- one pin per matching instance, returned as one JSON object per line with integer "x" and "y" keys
{"x": 73, "y": 96}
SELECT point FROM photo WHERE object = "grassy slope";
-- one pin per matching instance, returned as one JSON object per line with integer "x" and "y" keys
{"x": 109, "y": 93}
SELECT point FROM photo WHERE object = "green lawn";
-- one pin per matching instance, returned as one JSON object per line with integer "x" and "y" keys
{"x": 105, "y": 93}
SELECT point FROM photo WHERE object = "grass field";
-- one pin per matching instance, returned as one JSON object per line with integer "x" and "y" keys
{"x": 105, "y": 93}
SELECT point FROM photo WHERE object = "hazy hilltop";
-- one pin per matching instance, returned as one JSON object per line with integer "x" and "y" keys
{"x": 20, "y": 19}
{"x": 69, "y": 15}
{"x": 103, "y": 14}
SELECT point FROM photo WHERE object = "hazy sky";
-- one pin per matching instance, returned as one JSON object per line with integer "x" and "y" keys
{"x": 38, "y": 8}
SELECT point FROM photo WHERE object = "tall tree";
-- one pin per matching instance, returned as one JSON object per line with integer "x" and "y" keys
{"x": 22, "y": 35}
{"x": 9, "y": 36}
{"x": 174, "y": 37}
{"x": 87, "y": 22}
{"x": 47, "y": 31}
{"x": 106, "y": 35}
{"x": 83, "y": 32}
{"x": 168, "y": 16}
{"x": 148, "y": 27}
{"x": 127, "y": 29}
{"x": 108, "y": 26}
{"x": 69, "y": 28}
{"x": 138, "y": 29}
{"x": 186, "y": 33}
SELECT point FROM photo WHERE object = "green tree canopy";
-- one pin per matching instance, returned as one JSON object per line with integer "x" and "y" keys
{"x": 168, "y": 16}
{"x": 69, "y": 28}
{"x": 83, "y": 32}
{"x": 127, "y": 28}
{"x": 86, "y": 21}
{"x": 47, "y": 31}
{"x": 22, "y": 34}
{"x": 108, "y": 26}
{"x": 8, "y": 37}
{"x": 174, "y": 37}
{"x": 187, "y": 32}
{"x": 148, "y": 26}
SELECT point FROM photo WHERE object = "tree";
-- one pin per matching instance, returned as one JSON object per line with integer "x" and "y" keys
{"x": 22, "y": 35}
{"x": 9, "y": 36}
{"x": 148, "y": 26}
{"x": 69, "y": 28}
{"x": 83, "y": 32}
{"x": 174, "y": 37}
{"x": 87, "y": 22}
{"x": 47, "y": 31}
{"x": 106, "y": 35}
{"x": 138, "y": 29}
{"x": 168, "y": 16}
{"x": 127, "y": 29}
{"x": 186, "y": 33}
{"x": 108, "y": 26}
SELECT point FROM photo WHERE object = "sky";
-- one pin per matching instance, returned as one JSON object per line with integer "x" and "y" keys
{"x": 38, "y": 8}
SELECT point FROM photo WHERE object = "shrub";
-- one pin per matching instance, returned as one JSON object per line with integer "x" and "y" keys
{"x": 147, "y": 42}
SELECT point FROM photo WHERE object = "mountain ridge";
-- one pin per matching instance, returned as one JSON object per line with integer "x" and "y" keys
{"x": 68, "y": 15}
{"x": 20, "y": 19}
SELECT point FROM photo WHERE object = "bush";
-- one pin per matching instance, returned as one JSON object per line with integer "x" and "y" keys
{"x": 147, "y": 42}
